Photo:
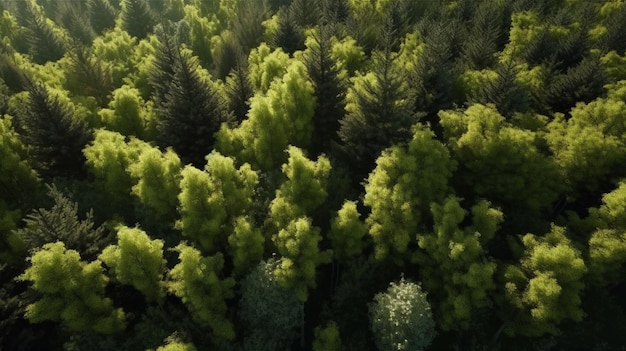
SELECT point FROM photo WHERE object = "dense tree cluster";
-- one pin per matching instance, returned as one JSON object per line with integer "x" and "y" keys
{"x": 312, "y": 175}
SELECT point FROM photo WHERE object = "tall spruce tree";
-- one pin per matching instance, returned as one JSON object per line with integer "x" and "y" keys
{"x": 44, "y": 40}
{"x": 101, "y": 15}
{"x": 190, "y": 107}
{"x": 137, "y": 18}
{"x": 57, "y": 136}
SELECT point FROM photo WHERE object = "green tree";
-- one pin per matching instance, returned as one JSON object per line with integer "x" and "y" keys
{"x": 400, "y": 190}
{"x": 401, "y": 318}
{"x": 266, "y": 307}
{"x": 71, "y": 290}
{"x": 55, "y": 133}
{"x": 454, "y": 262}
{"x": 379, "y": 111}
{"x": 347, "y": 231}
{"x": 45, "y": 41}
{"x": 101, "y": 15}
{"x": 138, "y": 261}
{"x": 212, "y": 200}
{"x": 246, "y": 245}
{"x": 129, "y": 114}
{"x": 86, "y": 75}
{"x": 545, "y": 289}
{"x": 197, "y": 281}
{"x": 137, "y": 18}
{"x": 327, "y": 338}
{"x": 190, "y": 107}
{"x": 280, "y": 118}
{"x": 504, "y": 163}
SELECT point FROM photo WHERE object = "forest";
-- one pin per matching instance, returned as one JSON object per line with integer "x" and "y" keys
{"x": 328, "y": 175}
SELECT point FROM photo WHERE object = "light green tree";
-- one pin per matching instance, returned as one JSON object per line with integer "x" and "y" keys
{"x": 245, "y": 244}
{"x": 280, "y": 118}
{"x": 298, "y": 244}
{"x": 211, "y": 200}
{"x": 138, "y": 261}
{"x": 406, "y": 180}
{"x": 455, "y": 266}
{"x": 327, "y": 338}
{"x": 347, "y": 231}
{"x": 401, "y": 318}
{"x": 71, "y": 290}
{"x": 197, "y": 280}
{"x": 545, "y": 288}
{"x": 129, "y": 114}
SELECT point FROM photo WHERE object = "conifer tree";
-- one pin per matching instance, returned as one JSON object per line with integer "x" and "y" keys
{"x": 72, "y": 291}
{"x": 379, "y": 111}
{"x": 329, "y": 90}
{"x": 73, "y": 17}
{"x": 101, "y": 15}
{"x": 45, "y": 42}
{"x": 190, "y": 107}
{"x": 347, "y": 232}
{"x": 86, "y": 75}
{"x": 137, "y": 18}
{"x": 238, "y": 90}
{"x": 55, "y": 133}
{"x": 289, "y": 35}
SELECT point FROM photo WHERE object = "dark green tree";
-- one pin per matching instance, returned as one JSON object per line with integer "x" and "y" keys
{"x": 379, "y": 112}
{"x": 45, "y": 41}
{"x": 137, "y": 18}
{"x": 101, "y": 15}
{"x": 74, "y": 18}
{"x": 62, "y": 223}
{"x": 190, "y": 107}
{"x": 55, "y": 133}
{"x": 86, "y": 75}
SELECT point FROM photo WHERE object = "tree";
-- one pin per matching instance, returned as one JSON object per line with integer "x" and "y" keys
{"x": 280, "y": 118}
{"x": 401, "y": 188}
{"x": 211, "y": 202}
{"x": 86, "y": 75}
{"x": 329, "y": 89}
{"x": 401, "y": 318}
{"x": 190, "y": 107}
{"x": 137, "y": 18}
{"x": 74, "y": 18}
{"x": 504, "y": 162}
{"x": 545, "y": 289}
{"x": 61, "y": 223}
{"x": 379, "y": 112}
{"x": 128, "y": 114}
{"x": 101, "y": 15}
{"x": 266, "y": 307}
{"x": 55, "y": 133}
{"x": 196, "y": 280}
{"x": 246, "y": 245}
{"x": 454, "y": 263}
{"x": 347, "y": 232}
{"x": 297, "y": 244}
{"x": 138, "y": 261}
{"x": 45, "y": 41}
{"x": 71, "y": 290}
{"x": 327, "y": 338}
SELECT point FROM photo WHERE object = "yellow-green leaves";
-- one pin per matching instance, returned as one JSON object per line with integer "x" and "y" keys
{"x": 138, "y": 261}
{"x": 72, "y": 291}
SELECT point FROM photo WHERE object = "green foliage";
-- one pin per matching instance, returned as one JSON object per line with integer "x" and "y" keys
{"x": 504, "y": 162}
{"x": 72, "y": 291}
{"x": 61, "y": 223}
{"x": 55, "y": 133}
{"x": 174, "y": 345}
{"x": 137, "y": 18}
{"x": 101, "y": 15}
{"x": 156, "y": 176}
{"x": 298, "y": 244}
{"x": 129, "y": 114}
{"x": 379, "y": 111}
{"x": 45, "y": 40}
{"x": 138, "y": 261}
{"x": 277, "y": 119}
{"x": 347, "y": 232}
{"x": 265, "y": 65}
{"x": 17, "y": 179}
{"x": 327, "y": 338}
{"x": 86, "y": 75}
{"x": 265, "y": 308}
{"x": 401, "y": 318}
{"x": 455, "y": 265}
{"x": 211, "y": 200}
{"x": 196, "y": 280}
{"x": 246, "y": 245}
{"x": 400, "y": 190}
{"x": 545, "y": 289}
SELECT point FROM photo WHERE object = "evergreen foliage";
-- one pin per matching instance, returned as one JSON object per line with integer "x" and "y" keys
{"x": 45, "y": 41}
{"x": 137, "y": 18}
{"x": 101, "y": 15}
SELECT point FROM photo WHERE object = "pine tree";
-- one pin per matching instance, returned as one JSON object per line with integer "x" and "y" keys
{"x": 137, "y": 18}
{"x": 239, "y": 90}
{"x": 101, "y": 15}
{"x": 329, "y": 90}
{"x": 75, "y": 20}
{"x": 379, "y": 112}
{"x": 86, "y": 75}
{"x": 57, "y": 136}
{"x": 190, "y": 107}
{"x": 45, "y": 42}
